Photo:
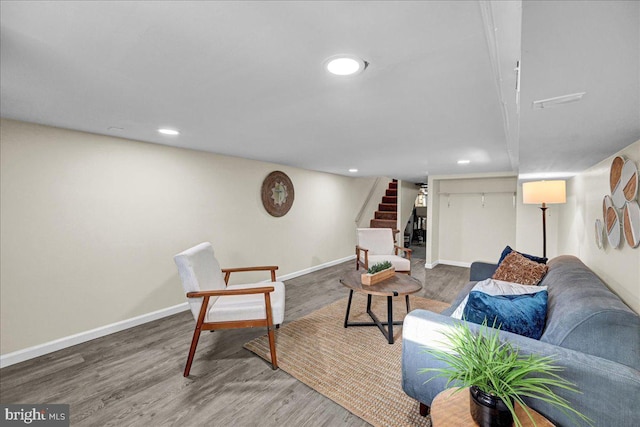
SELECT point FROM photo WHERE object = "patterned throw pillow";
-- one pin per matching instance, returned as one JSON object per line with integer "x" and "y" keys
{"x": 507, "y": 250}
{"x": 518, "y": 269}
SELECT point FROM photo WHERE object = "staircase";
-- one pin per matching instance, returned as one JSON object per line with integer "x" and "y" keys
{"x": 387, "y": 214}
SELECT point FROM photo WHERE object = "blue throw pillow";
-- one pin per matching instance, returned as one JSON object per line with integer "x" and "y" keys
{"x": 508, "y": 250}
{"x": 521, "y": 314}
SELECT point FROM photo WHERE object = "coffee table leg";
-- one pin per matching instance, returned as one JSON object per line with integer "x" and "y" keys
{"x": 368, "y": 303}
{"x": 346, "y": 317}
{"x": 408, "y": 306}
{"x": 390, "y": 319}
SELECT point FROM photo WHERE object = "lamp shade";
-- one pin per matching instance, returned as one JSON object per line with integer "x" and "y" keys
{"x": 538, "y": 192}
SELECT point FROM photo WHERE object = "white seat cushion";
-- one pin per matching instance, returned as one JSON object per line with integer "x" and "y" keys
{"x": 400, "y": 264}
{"x": 378, "y": 241}
{"x": 248, "y": 307}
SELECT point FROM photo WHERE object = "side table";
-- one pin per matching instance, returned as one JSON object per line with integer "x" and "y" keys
{"x": 449, "y": 410}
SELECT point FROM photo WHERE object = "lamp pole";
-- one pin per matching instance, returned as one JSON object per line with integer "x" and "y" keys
{"x": 544, "y": 229}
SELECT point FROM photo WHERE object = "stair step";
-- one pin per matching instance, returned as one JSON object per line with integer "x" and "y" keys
{"x": 393, "y": 185}
{"x": 390, "y": 199}
{"x": 386, "y": 215}
{"x": 391, "y": 192}
{"x": 383, "y": 223}
{"x": 388, "y": 207}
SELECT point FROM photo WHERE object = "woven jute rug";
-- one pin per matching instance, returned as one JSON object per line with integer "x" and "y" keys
{"x": 355, "y": 367}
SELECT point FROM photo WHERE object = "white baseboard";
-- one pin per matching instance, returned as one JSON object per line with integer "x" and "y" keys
{"x": 447, "y": 262}
{"x": 71, "y": 340}
{"x": 455, "y": 263}
{"x": 315, "y": 268}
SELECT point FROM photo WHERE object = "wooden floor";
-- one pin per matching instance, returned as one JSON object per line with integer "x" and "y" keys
{"x": 134, "y": 377}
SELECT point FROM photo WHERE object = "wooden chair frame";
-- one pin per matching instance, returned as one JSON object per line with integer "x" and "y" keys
{"x": 201, "y": 325}
{"x": 365, "y": 264}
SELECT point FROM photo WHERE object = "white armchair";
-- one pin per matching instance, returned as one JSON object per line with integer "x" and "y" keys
{"x": 376, "y": 245}
{"x": 217, "y": 305}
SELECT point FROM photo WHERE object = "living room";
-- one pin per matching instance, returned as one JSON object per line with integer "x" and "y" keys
{"x": 94, "y": 207}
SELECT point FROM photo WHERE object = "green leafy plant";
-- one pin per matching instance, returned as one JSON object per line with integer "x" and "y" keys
{"x": 376, "y": 268}
{"x": 498, "y": 369}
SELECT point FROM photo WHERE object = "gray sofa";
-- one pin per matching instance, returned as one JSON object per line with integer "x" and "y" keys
{"x": 589, "y": 331}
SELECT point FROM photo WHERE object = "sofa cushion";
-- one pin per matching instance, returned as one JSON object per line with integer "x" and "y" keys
{"x": 507, "y": 250}
{"x": 496, "y": 287}
{"x": 518, "y": 269}
{"x": 584, "y": 315}
{"x": 521, "y": 314}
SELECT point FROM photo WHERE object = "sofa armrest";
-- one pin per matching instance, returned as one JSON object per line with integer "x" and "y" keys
{"x": 481, "y": 270}
{"x": 609, "y": 389}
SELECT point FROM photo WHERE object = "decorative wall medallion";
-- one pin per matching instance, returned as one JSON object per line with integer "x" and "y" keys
{"x": 611, "y": 222}
{"x": 629, "y": 180}
{"x": 599, "y": 233}
{"x": 631, "y": 221}
{"x": 623, "y": 179}
{"x": 277, "y": 193}
{"x": 615, "y": 175}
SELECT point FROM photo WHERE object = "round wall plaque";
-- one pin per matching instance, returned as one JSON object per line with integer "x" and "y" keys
{"x": 277, "y": 193}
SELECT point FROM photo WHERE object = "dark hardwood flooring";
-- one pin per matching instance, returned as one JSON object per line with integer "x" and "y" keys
{"x": 134, "y": 377}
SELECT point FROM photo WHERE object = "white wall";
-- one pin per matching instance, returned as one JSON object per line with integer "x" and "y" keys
{"x": 460, "y": 229}
{"x": 618, "y": 268}
{"x": 90, "y": 224}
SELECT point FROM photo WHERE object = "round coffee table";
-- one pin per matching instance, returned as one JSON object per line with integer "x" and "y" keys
{"x": 449, "y": 410}
{"x": 399, "y": 284}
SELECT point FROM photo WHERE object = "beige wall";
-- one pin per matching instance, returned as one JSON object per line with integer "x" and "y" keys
{"x": 460, "y": 229}
{"x": 90, "y": 224}
{"x": 619, "y": 268}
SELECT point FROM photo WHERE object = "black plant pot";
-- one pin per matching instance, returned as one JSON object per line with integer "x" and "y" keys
{"x": 489, "y": 411}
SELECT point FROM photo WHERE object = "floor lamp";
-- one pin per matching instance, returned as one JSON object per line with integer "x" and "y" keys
{"x": 545, "y": 192}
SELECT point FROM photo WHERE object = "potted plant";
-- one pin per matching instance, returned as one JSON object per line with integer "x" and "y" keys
{"x": 498, "y": 375}
{"x": 377, "y": 273}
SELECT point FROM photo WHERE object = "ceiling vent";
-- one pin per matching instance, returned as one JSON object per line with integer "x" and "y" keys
{"x": 558, "y": 100}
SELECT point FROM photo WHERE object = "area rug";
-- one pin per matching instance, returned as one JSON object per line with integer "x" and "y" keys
{"x": 355, "y": 367}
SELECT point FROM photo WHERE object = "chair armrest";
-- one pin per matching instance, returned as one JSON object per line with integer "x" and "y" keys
{"x": 222, "y": 292}
{"x": 227, "y": 271}
{"x": 403, "y": 249}
{"x": 365, "y": 264}
{"x": 481, "y": 270}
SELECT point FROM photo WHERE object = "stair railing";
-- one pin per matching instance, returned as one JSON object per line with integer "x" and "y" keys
{"x": 366, "y": 201}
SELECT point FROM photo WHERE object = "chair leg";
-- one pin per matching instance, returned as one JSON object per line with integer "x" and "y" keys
{"x": 192, "y": 351}
{"x": 272, "y": 347}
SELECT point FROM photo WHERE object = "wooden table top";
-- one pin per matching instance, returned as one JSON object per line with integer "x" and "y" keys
{"x": 399, "y": 284}
{"x": 453, "y": 411}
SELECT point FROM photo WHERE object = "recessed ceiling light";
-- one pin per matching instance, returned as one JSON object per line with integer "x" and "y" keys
{"x": 353, "y": 170}
{"x": 345, "y": 65}
{"x": 165, "y": 131}
{"x": 464, "y": 162}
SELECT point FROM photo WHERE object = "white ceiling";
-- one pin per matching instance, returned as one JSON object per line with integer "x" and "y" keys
{"x": 247, "y": 79}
